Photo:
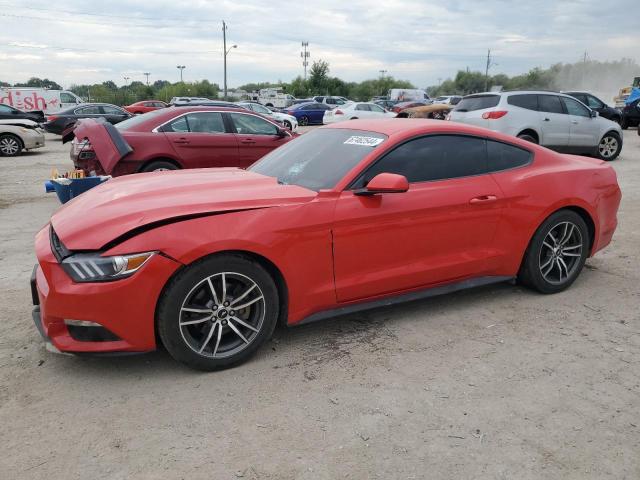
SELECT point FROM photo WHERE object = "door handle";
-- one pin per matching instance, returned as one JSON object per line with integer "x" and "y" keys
{"x": 547, "y": 120}
{"x": 181, "y": 141}
{"x": 247, "y": 141}
{"x": 575, "y": 122}
{"x": 483, "y": 199}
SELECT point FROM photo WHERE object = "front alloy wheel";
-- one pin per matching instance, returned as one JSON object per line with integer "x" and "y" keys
{"x": 304, "y": 121}
{"x": 222, "y": 315}
{"x": 217, "y": 312}
{"x": 9, "y": 146}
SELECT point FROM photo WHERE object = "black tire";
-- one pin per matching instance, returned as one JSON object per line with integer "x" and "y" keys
{"x": 287, "y": 124}
{"x": 304, "y": 121}
{"x": 528, "y": 138}
{"x": 158, "y": 166}
{"x": 353, "y": 118}
{"x": 609, "y": 147}
{"x": 534, "y": 265}
{"x": 10, "y": 145}
{"x": 624, "y": 123}
{"x": 191, "y": 288}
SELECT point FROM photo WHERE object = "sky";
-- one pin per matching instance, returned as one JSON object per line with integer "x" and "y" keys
{"x": 78, "y": 42}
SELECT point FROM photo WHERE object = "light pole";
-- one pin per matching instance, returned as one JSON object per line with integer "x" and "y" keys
{"x": 181, "y": 68}
{"x": 382, "y": 82}
{"x": 226, "y": 52}
{"x": 146, "y": 74}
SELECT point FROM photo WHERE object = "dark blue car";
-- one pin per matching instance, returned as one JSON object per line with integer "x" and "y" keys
{"x": 308, "y": 113}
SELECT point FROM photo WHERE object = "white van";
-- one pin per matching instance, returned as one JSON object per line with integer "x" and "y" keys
{"x": 38, "y": 99}
{"x": 408, "y": 95}
{"x": 272, "y": 97}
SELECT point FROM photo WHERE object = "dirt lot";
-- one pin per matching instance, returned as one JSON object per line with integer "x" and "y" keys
{"x": 493, "y": 383}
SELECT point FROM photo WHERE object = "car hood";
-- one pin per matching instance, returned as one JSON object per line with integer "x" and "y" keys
{"x": 141, "y": 201}
{"x": 106, "y": 140}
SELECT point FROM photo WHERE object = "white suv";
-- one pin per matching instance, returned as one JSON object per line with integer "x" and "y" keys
{"x": 554, "y": 120}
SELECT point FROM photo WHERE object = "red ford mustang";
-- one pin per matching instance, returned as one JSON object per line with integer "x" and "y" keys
{"x": 175, "y": 138}
{"x": 344, "y": 218}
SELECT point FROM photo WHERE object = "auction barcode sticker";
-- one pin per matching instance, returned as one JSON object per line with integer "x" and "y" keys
{"x": 364, "y": 141}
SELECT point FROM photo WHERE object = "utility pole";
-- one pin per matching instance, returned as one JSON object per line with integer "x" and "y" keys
{"x": 225, "y": 51}
{"x": 584, "y": 67}
{"x": 486, "y": 72}
{"x": 126, "y": 79}
{"x": 181, "y": 68}
{"x": 305, "y": 54}
{"x": 146, "y": 74}
{"x": 382, "y": 73}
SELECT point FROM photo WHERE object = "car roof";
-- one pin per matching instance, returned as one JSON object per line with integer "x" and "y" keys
{"x": 298, "y": 105}
{"x": 205, "y": 108}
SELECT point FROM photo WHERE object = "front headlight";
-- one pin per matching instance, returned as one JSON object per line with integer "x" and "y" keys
{"x": 91, "y": 267}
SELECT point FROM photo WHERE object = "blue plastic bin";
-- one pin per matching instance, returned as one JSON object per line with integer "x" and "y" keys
{"x": 76, "y": 187}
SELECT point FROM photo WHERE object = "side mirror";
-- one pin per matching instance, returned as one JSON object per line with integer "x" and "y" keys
{"x": 385, "y": 183}
{"x": 594, "y": 114}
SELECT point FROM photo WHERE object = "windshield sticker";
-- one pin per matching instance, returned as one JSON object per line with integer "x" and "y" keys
{"x": 364, "y": 141}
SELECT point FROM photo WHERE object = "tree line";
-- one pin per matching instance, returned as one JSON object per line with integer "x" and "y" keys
{"x": 587, "y": 75}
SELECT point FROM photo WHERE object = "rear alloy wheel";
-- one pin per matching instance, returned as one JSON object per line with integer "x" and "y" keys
{"x": 304, "y": 121}
{"x": 287, "y": 124}
{"x": 610, "y": 146}
{"x": 557, "y": 253}
{"x": 159, "y": 166}
{"x": 10, "y": 145}
{"x": 218, "y": 312}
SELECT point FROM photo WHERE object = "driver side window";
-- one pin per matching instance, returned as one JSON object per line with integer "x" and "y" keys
{"x": 431, "y": 158}
{"x": 252, "y": 125}
{"x": 575, "y": 108}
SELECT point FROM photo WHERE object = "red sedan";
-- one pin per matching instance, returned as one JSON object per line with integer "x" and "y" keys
{"x": 145, "y": 106}
{"x": 175, "y": 138}
{"x": 347, "y": 217}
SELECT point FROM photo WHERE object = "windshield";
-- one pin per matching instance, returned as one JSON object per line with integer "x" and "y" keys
{"x": 319, "y": 159}
{"x": 136, "y": 120}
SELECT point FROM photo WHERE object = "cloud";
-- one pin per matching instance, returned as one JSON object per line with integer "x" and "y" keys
{"x": 412, "y": 39}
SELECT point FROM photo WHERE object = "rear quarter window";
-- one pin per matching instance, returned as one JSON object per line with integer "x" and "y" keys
{"x": 528, "y": 101}
{"x": 502, "y": 156}
{"x": 478, "y": 102}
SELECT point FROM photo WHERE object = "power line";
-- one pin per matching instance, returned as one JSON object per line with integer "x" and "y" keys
{"x": 106, "y": 15}
{"x": 86, "y": 22}
{"x": 126, "y": 52}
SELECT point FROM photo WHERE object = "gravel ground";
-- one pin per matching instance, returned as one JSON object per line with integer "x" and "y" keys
{"x": 493, "y": 383}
